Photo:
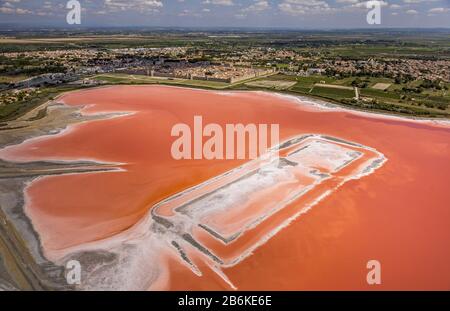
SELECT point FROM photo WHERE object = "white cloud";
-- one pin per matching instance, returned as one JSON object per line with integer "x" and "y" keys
{"x": 301, "y": 7}
{"x": 439, "y": 10}
{"x": 219, "y": 2}
{"x": 412, "y": 12}
{"x": 137, "y": 5}
{"x": 258, "y": 6}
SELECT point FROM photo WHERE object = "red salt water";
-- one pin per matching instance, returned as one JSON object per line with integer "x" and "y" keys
{"x": 399, "y": 215}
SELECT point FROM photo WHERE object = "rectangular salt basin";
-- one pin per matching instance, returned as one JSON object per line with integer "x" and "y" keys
{"x": 239, "y": 200}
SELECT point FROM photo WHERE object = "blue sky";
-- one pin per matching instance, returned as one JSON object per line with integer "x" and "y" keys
{"x": 229, "y": 13}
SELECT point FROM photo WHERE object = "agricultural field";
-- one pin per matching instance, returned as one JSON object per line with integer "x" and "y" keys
{"x": 138, "y": 79}
{"x": 380, "y": 93}
{"x": 272, "y": 84}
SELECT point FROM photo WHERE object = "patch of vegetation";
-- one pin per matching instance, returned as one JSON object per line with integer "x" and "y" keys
{"x": 331, "y": 93}
{"x": 14, "y": 110}
{"x": 382, "y": 106}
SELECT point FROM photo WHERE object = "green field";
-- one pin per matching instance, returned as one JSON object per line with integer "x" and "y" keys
{"x": 330, "y": 93}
